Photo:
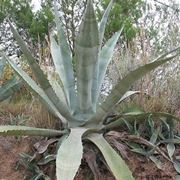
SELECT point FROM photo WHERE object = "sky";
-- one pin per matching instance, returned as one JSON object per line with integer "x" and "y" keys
{"x": 36, "y": 4}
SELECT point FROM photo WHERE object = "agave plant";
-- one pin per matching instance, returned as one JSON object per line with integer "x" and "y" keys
{"x": 75, "y": 100}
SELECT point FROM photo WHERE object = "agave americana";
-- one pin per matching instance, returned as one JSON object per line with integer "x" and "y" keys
{"x": 78, "y": 108}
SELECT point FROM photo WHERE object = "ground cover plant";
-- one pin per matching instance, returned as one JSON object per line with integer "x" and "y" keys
{"x": 74, "y": 97}
{"x": 8, "y": 86}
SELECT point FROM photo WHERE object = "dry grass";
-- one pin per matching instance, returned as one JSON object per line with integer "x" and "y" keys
{"x": 147, "y": 104}
{"x": 27, "y": 112}
{"x": 161, "y": 86}
{"x": 40, "y": 117}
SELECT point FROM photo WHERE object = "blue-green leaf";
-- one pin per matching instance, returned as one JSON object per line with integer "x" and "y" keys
{"x": 69, "y": 155}
{"x": 87, "y": 44}
{"x": 9, "y": 88}
{"x": 30, "y": 131}
{"x": 63, "y": 62}
{"x": 171, "y": 149}
{"x": 116, "y": 164}
{"x": 40, "y": 76}
{"x": 177, "y": 166}
{"x": 105, "y": 56}
{"x": 124, "y": 84}
{"x": 103, "y": 22}
{"x": 156, "y": 161}
{"x": 37, "y": 90}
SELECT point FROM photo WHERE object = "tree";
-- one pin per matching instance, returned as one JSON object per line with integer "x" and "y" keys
{"x": 71, "y": 14}
{"x": 21, "y": 12}
{"x": 123, "y": 13}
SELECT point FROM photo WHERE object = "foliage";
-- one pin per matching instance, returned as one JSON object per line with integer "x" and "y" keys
{"x": 154, "y": 138}
{"x": 124, "y": 13}
{"x": 75, "y": 100}
{"x": 156, "y": 35}
{"x": 71, "y": 14}
{"x": 9, "y": 88}
{"x": 35, "y": 24}
{"x": 162, "y": 32}
{"x": 27, "y": 162}
{"x": 9, "y": 84}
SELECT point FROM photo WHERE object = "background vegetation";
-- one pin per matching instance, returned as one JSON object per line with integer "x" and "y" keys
{"x": 151, "y": 28}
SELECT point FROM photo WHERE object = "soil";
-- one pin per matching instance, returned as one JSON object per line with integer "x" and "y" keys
{"x": 10, "y": 147}
{"x": 142, "y": 167}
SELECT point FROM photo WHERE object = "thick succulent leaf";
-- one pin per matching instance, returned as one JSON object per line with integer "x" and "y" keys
{"x": 69, "y": 155}
{"x": 105, "y": 56}
{"x": 61, "y": 140}
{"x": 37, "y": 90}
{"x": 170, "y": 149}
{"x": 45, "y": 160}
{"x": 127, "y": 95}
{"x": 124, "y": 84}
{"x": 150, "y": 124}
{"x": 116, "y": 164}
{"x": 140, "y": 151}
{"x": 63, "y": 62}
{"x": 40, "y": 76}
{"x": 103, "y": 22}
{"x": 139, "y": 118}
{"x": 157, "y": 162}
{"x": 177, "y": 177}
{"x": 94, "y": 90}
{"x": 129, "y": 126}
{"x": 9, "y": 88}
{"x": 30, "y": 59}
{"x": 58, "y": 89}
{"x": 30, "y": 131}
{"x": 154, "y": 137}
{"x": 42, "y": 146}
{"x": 65, "y": 49}
{"x": 87, "y": 44}
{"x": 176, "y": 166}
{"x": 173, "y": 140}
{"x": 133, "y": 111}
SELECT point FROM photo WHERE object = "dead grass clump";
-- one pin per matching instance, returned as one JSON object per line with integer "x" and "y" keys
{"x": 39, "y": 116}
{"x": 27, "y": 112}
{"x": 153, "y": 103}
{"x": 14, "y": 108}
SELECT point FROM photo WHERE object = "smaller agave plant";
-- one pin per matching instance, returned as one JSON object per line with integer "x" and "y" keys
{"x": 9, "y": 87}
{"x": 75, "y": 100}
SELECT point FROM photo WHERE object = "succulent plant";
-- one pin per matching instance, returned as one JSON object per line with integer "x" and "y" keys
{"x": 10, "y": 86}
{"x": 78, "y": 108}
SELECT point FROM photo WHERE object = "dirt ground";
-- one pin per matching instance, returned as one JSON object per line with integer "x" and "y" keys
{"x": 10, "y": 147}
{"x": 142, "y": 168}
